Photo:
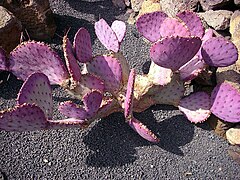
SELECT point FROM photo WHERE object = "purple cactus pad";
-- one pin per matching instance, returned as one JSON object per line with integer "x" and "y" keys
{"x": 37, "y": 90}
{"x": 226, "y": 102}
{"x": 82, "y": 45}
{"x": 90, "y": 81}
{"x": 106, "y": 35}
{"x": 193, "y": 23}
{"x": 128, "y": 103}
{"x": 108, "y": 69}
{"x": 173, "y": 27}
{"x": 30, "y": 57}
{"x": 71, "y": 62}
{"x": 149, "y": 25}
{"x": 24, "y": 117}
{"x": 196, "y": 107}
{"x": 119, "y": 27}
{"x": 174, "y": 52}
{"x": 219, "y": 52}
{"x": 142, "y": 130}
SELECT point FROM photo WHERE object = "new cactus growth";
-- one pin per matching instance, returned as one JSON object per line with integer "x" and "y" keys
{"x": 180, "y": 51}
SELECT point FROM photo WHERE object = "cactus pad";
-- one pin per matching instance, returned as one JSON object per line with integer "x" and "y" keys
{"x": 32, "y": 57}
{"x": 173, "y": 27}
{"x": 119, "y": 27}
{"x": 71, "y": 62}
{"x": 142, "y": 130}
{"x": 193, "y": 23}
{"x": 128, "y": 103}
{"x": 219, "y": 52}
{"x": 108, "y": 69}
{"x": 159, "y": 75}
{"x": 24, "y": 117}
{"x": 174, "y": 52}
{"x": 226, "y": 102}
{"x": 196, "y": 107}
{"x": 82, "y": 45}
{"x": 192, "y": 68}
{"x": 106, "y": 35}
{"x": 91, "y": 101}
{"x": 149, "y": 25}
{"x": 37, "y": 90}
{"x": 2, "y": 60}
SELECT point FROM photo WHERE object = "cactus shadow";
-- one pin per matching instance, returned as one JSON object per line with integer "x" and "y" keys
{"x": 100, "y": 9}
{"x": 113, "y": 142}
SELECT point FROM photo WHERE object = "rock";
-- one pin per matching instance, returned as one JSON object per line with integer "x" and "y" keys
{"x": 149, "y": 6}
{"x": 213, "y": 4}
{"x": 235, "y": 26}
{"x": 233, "y": 135}
{"x": 234, "y": 152}
{"x": 237, "y": 2}
{"x": 136, "y": 5}
{"x": 220, "y": 127}
{"x": 219, "y": 19}
{"x": 35, "y": 16}
{"x": 10, "y": 30}
{"x": 172, "y": 7}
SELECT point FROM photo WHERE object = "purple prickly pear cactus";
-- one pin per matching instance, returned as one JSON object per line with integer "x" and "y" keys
{"x": 37, "y": 90}
{"x": 226, "y": 102}
{"x": 219, "y": 52}
{"x": 32, "y": 57}
{"x": 196, "y": 107}
{"x": 119, "y": 27}
{"x": 82, "y": 45}
{"x": 174, "y": 52}
{"x": 149, "y": 25}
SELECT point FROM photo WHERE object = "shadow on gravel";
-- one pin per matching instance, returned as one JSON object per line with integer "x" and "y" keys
{"x": 100, "y": 9}
{"x": 113, "y": 142}
{"x": 9, "y": 86}
{"x": 71, "y": 25}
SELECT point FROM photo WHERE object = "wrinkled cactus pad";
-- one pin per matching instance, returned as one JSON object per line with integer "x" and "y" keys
{"x": 119, "y": 27}
{"x": 71, "y": 62}
{"x": 173, "y": 27}
{"x": 82, "y": 45}
{"x": 149, "y": 25}
{"x": 219, "y": 52}
{"x": 174, "y": 52}
{"x": 193, "y": 23}
{"x": 108, "y": 69}
{"x": 30, "y": 57}
{"x": 196, "y": 107}
{"x": 226, "y": 102}
{"x": 37, "y": 90}
{"x": 106, "y": 35}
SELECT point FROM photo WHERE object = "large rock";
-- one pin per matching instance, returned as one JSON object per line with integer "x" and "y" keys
{"x": 219, "y": 19}
{"x": 233, "y": 135}
{"x": 136, "y": 5}
{"x": 235, "y": 26}
{"x": 35, "y": 16}
{"x": 10, "y": 30}
{"x": 237, "y": 2}
{"x": 213, "y": 4}
{"x": 172, "y": 7}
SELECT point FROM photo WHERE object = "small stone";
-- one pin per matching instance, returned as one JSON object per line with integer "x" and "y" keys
{"x": 136, "y": 5}
{"x": 172, "y": 7}
{"x": 10, "y": 30}
{"x": 219, "y": 19}
{"x": 213, "y": 4}
{"x": 234, "y": 152}
{"x": 149, "y": 6}
{"x": 233, "y": 135}
{"x": 45, "y": 160}
{"x": 237, "y": 2}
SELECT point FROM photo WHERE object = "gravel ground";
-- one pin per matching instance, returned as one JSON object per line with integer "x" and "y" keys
{"x": 110, "y": 149}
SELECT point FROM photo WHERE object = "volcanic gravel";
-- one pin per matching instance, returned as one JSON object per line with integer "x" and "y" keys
{"x": 110, "y": 149}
